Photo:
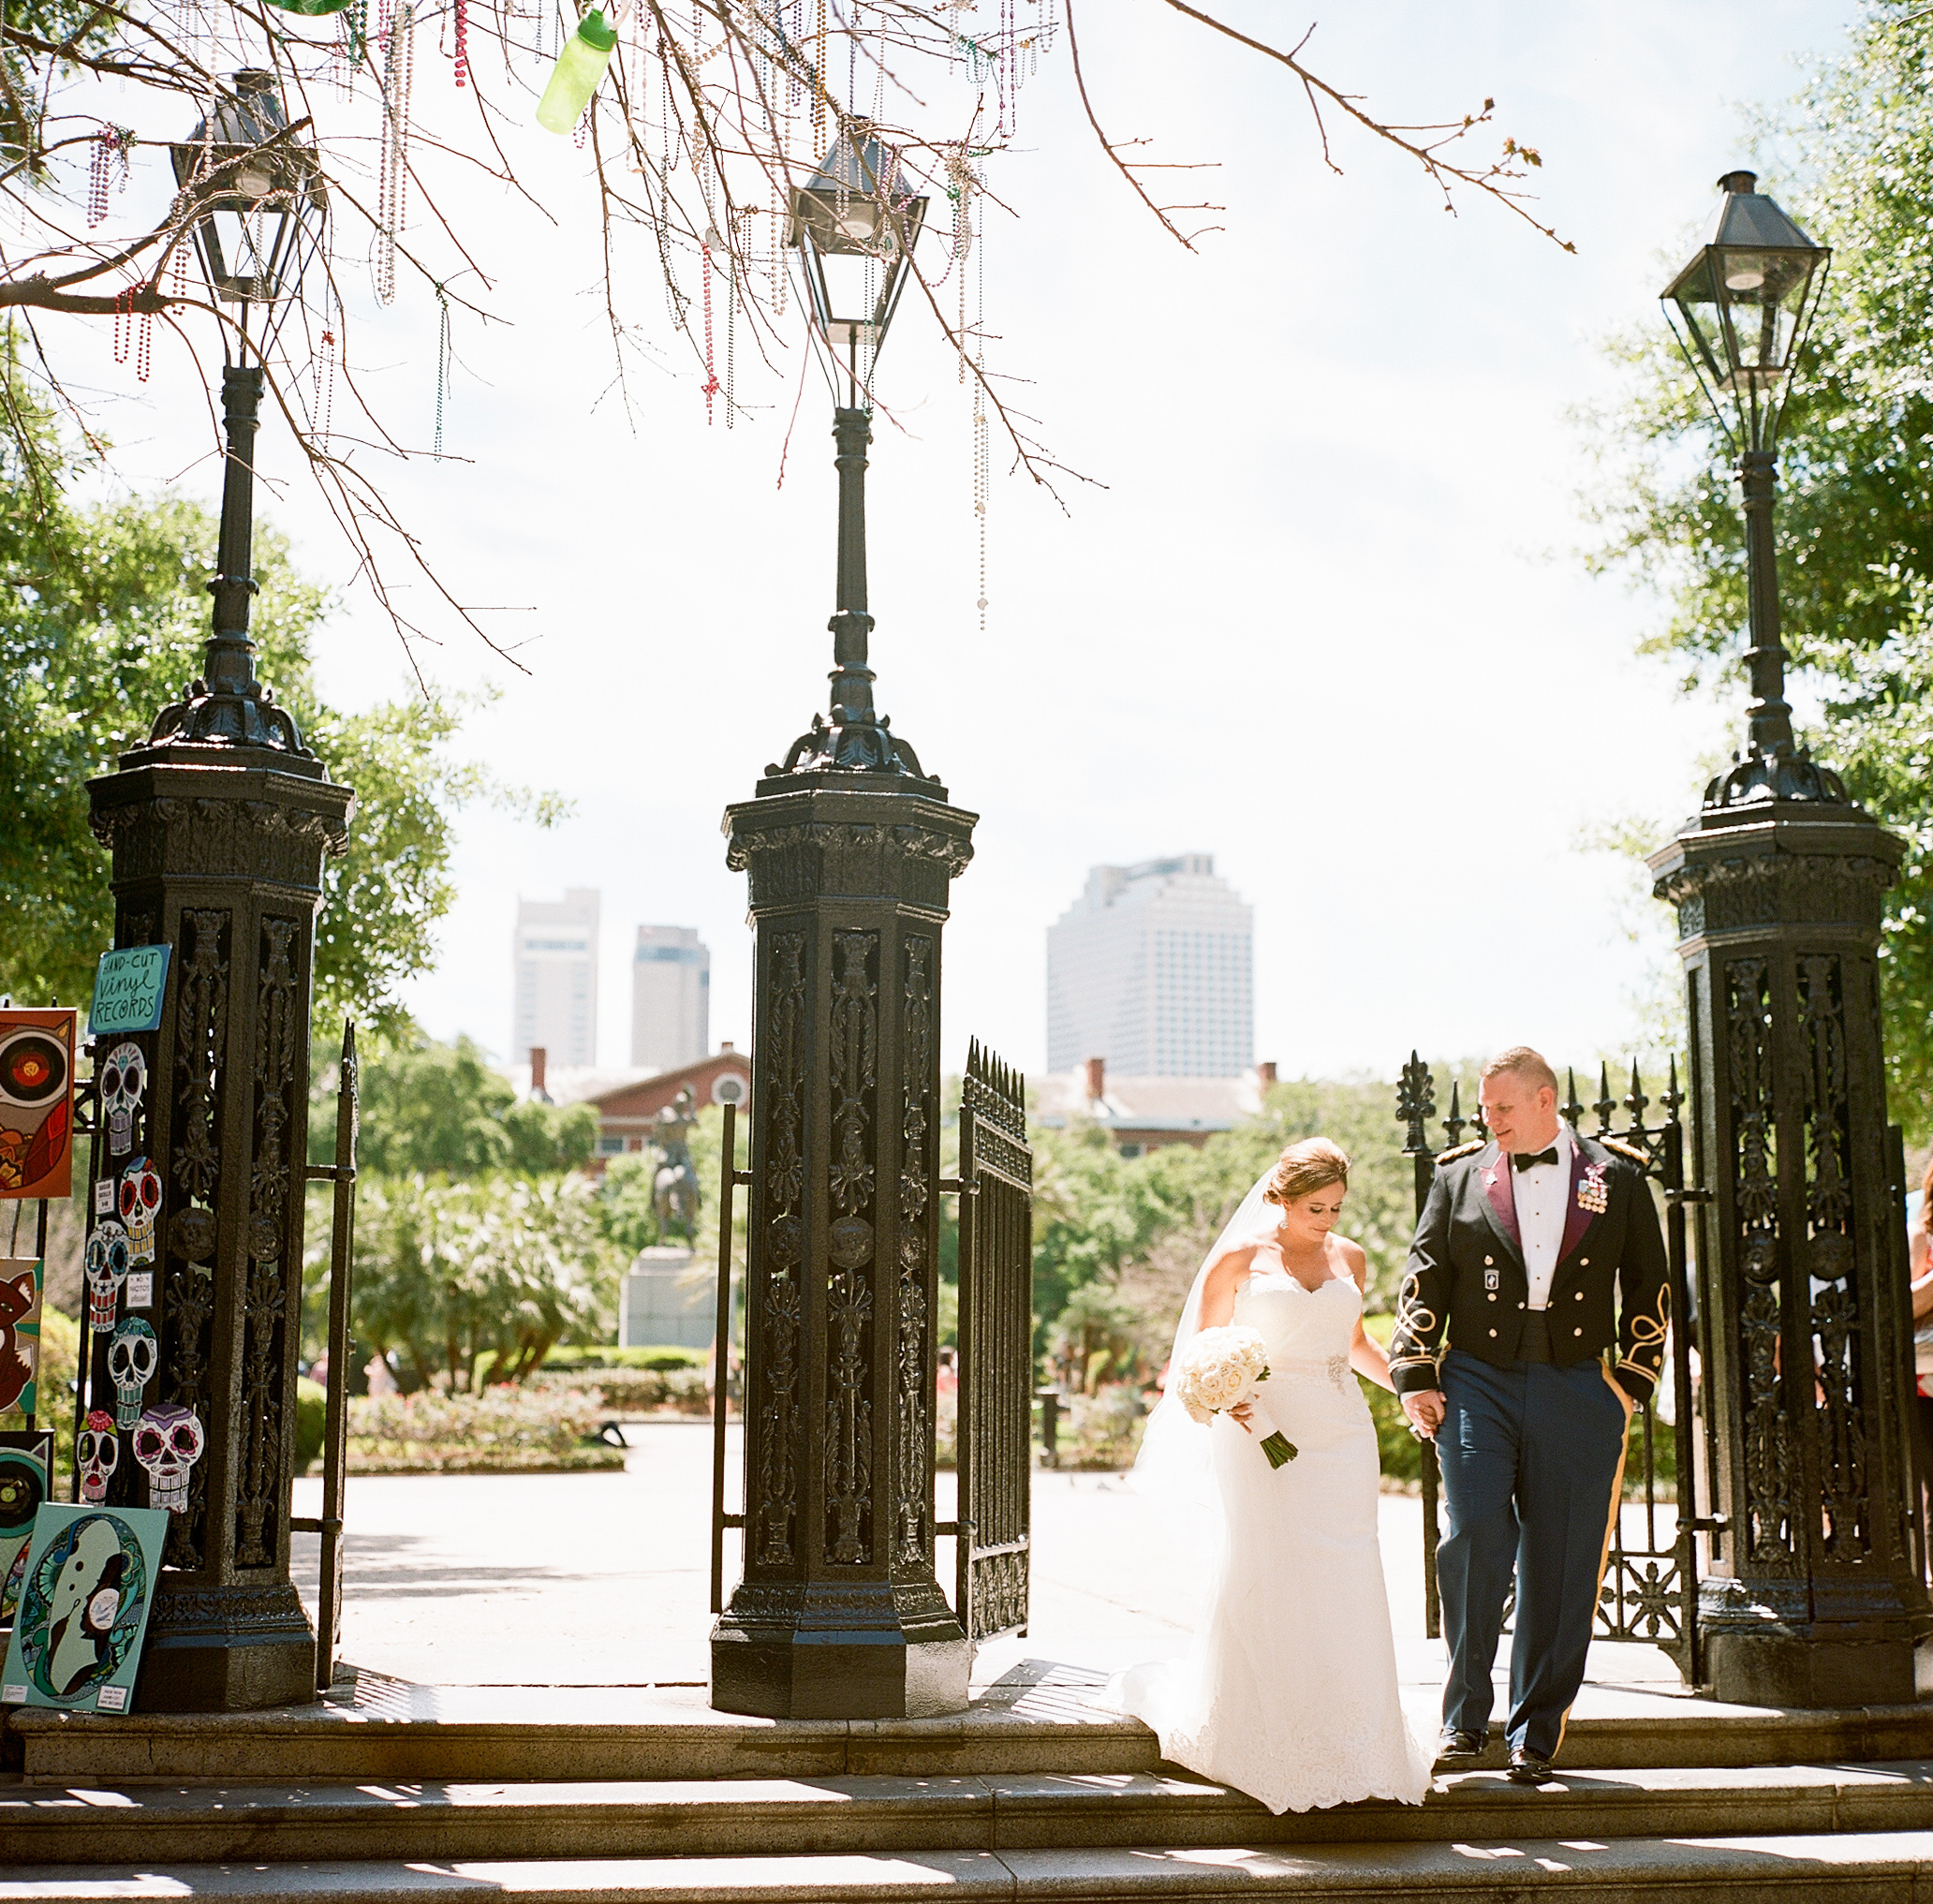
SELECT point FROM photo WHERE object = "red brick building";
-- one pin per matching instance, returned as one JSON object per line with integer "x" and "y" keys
{"x": 628, "y": 1111}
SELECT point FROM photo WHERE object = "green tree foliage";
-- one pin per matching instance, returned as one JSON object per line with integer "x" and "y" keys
{"x": 102, "y": 618}
{"x": 1117, "y": 1240}
{"x": 477, "y": 1279}
{"x": 428, "y": 1108}
{"x": 1856, "y": 547}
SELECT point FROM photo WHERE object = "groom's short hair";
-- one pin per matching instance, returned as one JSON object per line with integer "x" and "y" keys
{"x": 1521, "y": 1061}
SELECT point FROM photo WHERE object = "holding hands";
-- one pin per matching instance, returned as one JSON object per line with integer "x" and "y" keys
{"x": 1425, "y": 1412}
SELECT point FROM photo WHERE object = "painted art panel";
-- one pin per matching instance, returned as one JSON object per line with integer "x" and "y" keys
{"x": 20, "y": 1333}
{"x": 36, "y": 1103}
{"x": 84, "y": 1607}
{"x": 26, "y": 1481}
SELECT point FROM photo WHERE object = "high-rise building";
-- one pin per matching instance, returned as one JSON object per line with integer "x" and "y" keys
{"x": 1152, "y": 968}
{"x": 671, "y": 997}
{"x": 554, "y": 985}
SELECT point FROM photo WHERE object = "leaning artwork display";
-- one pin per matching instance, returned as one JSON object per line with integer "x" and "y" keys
{"x": 84, "y": 1607}
{"x": 37, "y": 1100}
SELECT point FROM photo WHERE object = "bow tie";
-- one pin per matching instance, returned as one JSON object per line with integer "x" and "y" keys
{"x": 1523, "y": 1161}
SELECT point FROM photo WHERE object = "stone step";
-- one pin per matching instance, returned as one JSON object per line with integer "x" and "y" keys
{"x": 1875, "y": 1867}
{"x": 725, "y": 1818}
{"x": 383, "y": 1730}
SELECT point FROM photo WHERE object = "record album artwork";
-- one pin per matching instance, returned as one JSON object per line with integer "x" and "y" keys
{"x": 84, "y": 1607}
{"x": 27, "y": 1461}
{"x": 20, "y": 1332}
{"x": 36, "y": 1103}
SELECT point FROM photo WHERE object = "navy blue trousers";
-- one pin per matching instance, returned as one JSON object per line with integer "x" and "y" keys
{"x": 1529, "y": 1455}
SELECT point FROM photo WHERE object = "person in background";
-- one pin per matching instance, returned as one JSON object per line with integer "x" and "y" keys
{"x": 1919, "y": 1208}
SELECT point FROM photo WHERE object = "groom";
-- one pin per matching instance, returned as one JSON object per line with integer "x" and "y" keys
{"x": 1542, "y": 1251}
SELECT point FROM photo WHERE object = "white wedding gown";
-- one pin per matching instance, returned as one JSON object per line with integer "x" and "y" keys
{"x": 1289, "y": 1690}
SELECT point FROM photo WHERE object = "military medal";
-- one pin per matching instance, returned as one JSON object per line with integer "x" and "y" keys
{"x": 1593, "y": 1193}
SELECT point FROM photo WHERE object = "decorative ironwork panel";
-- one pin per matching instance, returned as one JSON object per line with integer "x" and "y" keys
{"x": 1769, "y": 1467}
{"x": 188, "y": 1294}
{"x": 995, "y": 1392}
{"x": 913, "y": 1508}
{"x": 846, "y": 1430}
{"x": 777, "y": 1495}
{"x": 1845, "y": 1530}
{"x": 279, "y": 1032}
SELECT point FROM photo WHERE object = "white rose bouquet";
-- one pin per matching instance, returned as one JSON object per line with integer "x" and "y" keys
{"x": 1219, "y": 1369}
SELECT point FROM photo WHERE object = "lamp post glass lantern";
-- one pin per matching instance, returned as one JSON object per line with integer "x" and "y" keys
{"x": 854, "y": 226}
{"x": 1812, "y": 1594}
{"x": 1740, "y": 310}
{"x": 255, "y": 210}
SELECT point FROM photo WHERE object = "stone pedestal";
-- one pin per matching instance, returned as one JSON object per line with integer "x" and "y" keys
{"x": 839, "y": 1614}
{"x": 1812, "y": 1596}
{"x": 662, "y": 1303}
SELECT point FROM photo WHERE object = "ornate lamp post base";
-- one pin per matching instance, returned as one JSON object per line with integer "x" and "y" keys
{"x": 218, "y": 852}
{"x": 839, "y": 1614}
{"x": 1813, "y": 1596}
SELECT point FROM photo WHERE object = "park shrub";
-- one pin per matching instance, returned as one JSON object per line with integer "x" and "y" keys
{"x": 311, "y": 1415}
{"x": 505, "y": 1429}
{"x": 629, "y": 1392}
{"x": 1103, "y": 1430}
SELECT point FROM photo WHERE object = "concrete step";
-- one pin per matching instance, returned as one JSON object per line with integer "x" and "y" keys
{"x": 385, "y": 1731}
{"x": 714, "y": 1817}
{"x": 1877, "y": 1867}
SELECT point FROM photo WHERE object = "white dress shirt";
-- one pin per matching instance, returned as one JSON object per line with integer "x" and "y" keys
{"x": 1539, "y": 1193}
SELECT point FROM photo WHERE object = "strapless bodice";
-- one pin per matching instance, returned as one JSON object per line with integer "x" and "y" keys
{"x": 1306, "y": 1330}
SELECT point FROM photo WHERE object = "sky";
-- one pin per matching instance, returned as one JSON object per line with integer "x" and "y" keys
{"x": 1311, "y": 603}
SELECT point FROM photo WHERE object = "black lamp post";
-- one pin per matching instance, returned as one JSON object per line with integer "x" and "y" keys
{"x": 218, "y": 826}
{"x": 850, "y": 846}
{"x": 1813, "y": 1593}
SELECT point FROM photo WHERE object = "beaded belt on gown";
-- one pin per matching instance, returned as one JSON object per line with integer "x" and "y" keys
{"x": 1329, "y": 1368}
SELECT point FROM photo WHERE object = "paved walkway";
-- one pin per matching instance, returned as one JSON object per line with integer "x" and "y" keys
{"x": 602, "y": 1579}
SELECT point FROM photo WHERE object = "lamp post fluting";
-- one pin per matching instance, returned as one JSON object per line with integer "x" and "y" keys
{"x": 851, "y": 847}
{"x": 1812, "y": 1594}
{"x": 218, "y": 826}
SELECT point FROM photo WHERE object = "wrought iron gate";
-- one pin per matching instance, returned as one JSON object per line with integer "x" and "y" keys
{"x": 1651, "y": 1587}
{"x": 335, "y": 1417}
{"x": 996, "y": 1352}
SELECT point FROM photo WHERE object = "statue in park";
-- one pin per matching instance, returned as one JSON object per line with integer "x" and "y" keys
{"x": 675, "y": 1188}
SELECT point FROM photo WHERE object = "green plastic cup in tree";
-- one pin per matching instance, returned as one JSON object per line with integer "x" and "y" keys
{"x": 580, "y": 66}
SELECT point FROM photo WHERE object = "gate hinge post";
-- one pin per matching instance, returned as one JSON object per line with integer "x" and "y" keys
{"x": 959, "y": 1186}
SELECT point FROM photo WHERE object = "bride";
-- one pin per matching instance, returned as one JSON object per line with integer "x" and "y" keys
{"x": 1289, "y": 1691}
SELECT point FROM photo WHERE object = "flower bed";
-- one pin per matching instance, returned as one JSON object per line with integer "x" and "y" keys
{"x": 502, "y": 1431}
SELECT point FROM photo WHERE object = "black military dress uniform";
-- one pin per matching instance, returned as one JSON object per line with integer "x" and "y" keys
{"x": 1532, "y": 1441}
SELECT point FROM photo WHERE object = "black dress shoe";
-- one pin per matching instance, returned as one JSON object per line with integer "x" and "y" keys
{"x": 1527, "y": 1768}
{"x": 1456, "y": 1744}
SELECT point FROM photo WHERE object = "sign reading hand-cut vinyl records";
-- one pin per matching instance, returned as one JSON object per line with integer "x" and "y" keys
{"x": 84, "y": 1607}
{"x": 20, "y": 1332}
{"x": 26, "y": 1466}
{"x": 36, "y": 1103}
{"x": 128, "y": 986}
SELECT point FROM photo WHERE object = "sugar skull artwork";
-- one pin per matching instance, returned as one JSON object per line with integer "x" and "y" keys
{"x": 106, "y": 1270}
{"x": 168, "y": 1441}
{"x": 84, "y": 1607}
{"x": 140, "y": 1203}
{"x": 132, "y": 1353}
{"x": 37, "y": 1091}
{"x": 124, "y": 1082}
{"x": 97, "y": 1448}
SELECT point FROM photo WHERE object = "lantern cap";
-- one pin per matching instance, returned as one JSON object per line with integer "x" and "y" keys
{"x": 1746, "y": 217}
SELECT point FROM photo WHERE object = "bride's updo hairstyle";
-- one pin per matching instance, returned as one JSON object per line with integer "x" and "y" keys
{"x": 1303, "y": 1167}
